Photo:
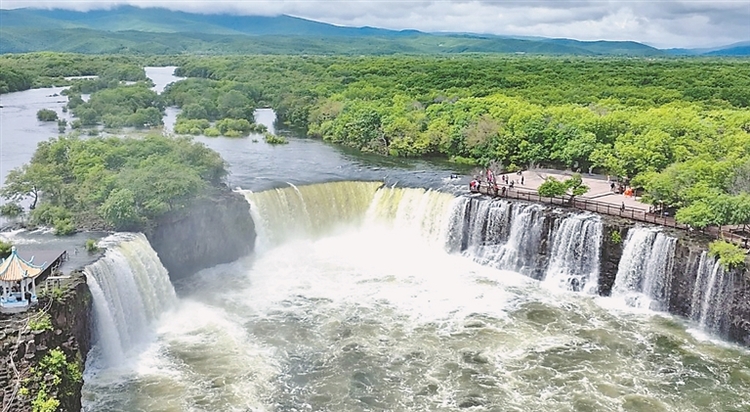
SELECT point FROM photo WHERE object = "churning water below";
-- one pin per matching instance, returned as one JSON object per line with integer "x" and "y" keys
{"x": 375, "y": 315}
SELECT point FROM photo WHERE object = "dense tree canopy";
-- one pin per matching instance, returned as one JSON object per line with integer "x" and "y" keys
{"x": 116, "y": 183}
{"x": 679, "y": 128}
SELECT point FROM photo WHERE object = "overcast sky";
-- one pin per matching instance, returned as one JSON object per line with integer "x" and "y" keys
{"x": 660, "y": 23}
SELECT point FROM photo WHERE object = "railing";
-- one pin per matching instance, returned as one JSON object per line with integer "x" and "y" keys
{"x": 627, "y": 212}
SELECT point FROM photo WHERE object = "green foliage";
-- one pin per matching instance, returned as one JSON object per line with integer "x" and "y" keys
{"x": 115, "y": 183}
{"x": 234, "y": 127}
{"x": 56, "y": 293}
{"x": 191, "y": 126}
{"x": 615, "y": 237}
{"x": 271, "y": 138}
{"x": 44, "y": 402}
{"x": 46, "y": 115}
{"x": 683, "y": 141}
{"x": 44, "y": 69}
{"x": 572, "y": 186}
{"x": 730, "y": 255}
{"x": 134, "y": 106}
{"x": 11, "y": 209}
{"x": 64, "y": 377}
{"x": 552, "y": 187}
{"x": 64, "y": 227}
{"x": 40, "y": 322}
{"x": 5, "y": 249}
{"x": 91, "y": 246}
{"x": 211, "y": 132}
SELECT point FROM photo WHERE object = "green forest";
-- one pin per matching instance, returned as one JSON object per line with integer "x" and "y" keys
{"x": 678, "y": 128}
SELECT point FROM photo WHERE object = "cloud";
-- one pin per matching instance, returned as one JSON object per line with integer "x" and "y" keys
{"x": 664, "y": 23}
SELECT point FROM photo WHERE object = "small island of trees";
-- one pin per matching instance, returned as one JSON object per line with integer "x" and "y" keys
{"x": 112, "y": 183}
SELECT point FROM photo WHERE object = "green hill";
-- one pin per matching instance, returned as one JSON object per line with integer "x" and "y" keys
{"x": 160, "y": 31}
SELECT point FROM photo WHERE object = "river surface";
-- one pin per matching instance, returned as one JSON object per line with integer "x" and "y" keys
{"x": 373, "y": 313}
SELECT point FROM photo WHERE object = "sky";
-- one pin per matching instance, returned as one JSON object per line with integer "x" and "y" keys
{"x": 660, "y": 23}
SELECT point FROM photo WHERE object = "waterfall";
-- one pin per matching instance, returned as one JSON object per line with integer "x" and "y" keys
{"x": 501, "y": 234}
{"x": 290, "y": 212}
{"x": 130, "y": 288}
{"x": 710, "y": 294}
{"x": 645, "y": 269}
{"x": 421, "y": 212}
{"x": 574, "y": 256}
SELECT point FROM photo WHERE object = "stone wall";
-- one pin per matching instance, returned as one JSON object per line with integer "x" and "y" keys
{"x": 215, "y": 229}
{"x": 21, "y": 349}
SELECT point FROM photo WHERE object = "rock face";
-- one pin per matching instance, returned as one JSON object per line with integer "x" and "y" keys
{"x": 213, "y": 230}
{"x": 21, "y": 349}
{"x": 613, "y": 239}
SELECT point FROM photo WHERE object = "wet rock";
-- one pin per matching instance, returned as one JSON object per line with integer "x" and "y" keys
{"x": 30, "y": 347}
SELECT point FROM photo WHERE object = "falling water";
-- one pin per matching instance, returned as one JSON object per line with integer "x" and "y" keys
{"x": 418, "y": 212}
{"x": 130, "y": 288}
{"x": 709, "y": 300}
{"x": 504, "y": 235}
{"x": 645, "y": 268}
{"x": 293, "y": 212}
{"x": 574, "y": 257}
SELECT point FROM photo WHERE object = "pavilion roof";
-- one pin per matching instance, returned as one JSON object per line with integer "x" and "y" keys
{"x": 14, "y": 268}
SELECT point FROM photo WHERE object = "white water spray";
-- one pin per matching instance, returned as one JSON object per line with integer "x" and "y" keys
{"x": 645, "y": 269}
{"x": 709, "y": 298}
{"x": 130, "y": 289}
{"x": 574, "y": 256}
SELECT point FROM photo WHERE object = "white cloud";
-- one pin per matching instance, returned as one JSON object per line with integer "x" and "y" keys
{"x": 665, "y": 23}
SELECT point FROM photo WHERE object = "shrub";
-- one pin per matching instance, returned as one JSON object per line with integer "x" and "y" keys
{"x": 615, "y": 237}
{"x": 11, "y": 210}
{"x": 64, "y": 227}
{"x": 91, "y": 246}
{"x": 464, "y": 160}
{"x": 730, "y": 255}
{"x": 212, "y": 132}
{"x": 5, "y": 248}
{"x": 271, "y": 138}
{"x": 232, "y": 133}
{"x": 237, "y": 127}
{"x": 46, "y": 115}
{"x": 191, "y": 126}
{"x": 41, "y": 322}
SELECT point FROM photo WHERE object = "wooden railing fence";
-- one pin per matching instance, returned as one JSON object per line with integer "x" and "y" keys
{"x": 609, "y": 209}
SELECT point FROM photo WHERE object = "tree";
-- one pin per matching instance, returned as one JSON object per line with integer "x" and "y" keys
{"x": 698, "y": 215}
{"x": 119, "y": 209}
{"x": 46, "y": 115}
{"x": 573, "y": 186}
{"x": 26, "y": 181}
{"x": 552, "y": 188}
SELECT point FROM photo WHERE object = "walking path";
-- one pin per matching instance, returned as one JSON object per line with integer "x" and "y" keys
{"x": 599, "y": 189}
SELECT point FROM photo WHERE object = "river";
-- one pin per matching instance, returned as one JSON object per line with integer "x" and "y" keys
{"x": 355, "y": 301}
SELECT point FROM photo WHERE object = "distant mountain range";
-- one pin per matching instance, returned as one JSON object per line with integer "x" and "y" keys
{"x": 130, "y": 29}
